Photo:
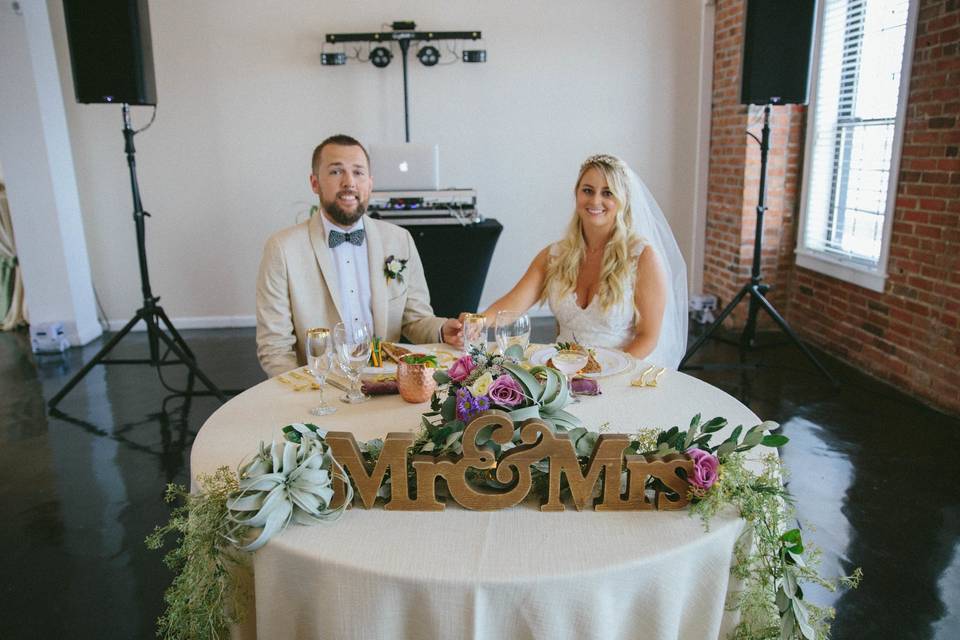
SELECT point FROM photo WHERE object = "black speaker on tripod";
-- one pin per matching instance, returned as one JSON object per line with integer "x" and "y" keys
{"x": 111, "y": 53}
{"x": 776, "y": 52}
{"x": 776, "y": 70}
{"x": 112, "y": 60}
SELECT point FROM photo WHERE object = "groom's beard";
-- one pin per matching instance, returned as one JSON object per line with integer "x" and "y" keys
{"x": 341, "y": 217}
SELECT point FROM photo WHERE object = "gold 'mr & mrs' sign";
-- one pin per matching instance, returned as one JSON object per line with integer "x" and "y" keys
{"x": 538, "y": 442}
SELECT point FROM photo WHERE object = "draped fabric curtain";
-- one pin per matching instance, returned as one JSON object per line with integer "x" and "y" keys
{"x": 13, "y": 312}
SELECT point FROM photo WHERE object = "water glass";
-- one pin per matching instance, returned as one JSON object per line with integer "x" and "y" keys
{"x": 352, "y": 345}
{"x": 568, "y": 363}
{"x": 474, "y": 332}
{"x": 319, "y": 362}
{"x": 510, "y": 328}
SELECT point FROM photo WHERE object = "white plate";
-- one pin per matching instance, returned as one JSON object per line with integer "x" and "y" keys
{"x": 444, "y": 360}
{"x": 611, "y": 361}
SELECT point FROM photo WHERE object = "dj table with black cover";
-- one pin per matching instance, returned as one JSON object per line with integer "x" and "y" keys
{"x": 455, "y": 261}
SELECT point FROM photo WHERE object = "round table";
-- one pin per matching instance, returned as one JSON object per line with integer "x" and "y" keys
{"x": 515, "y": 573}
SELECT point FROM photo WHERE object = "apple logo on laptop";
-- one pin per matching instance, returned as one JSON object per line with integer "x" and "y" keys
{"x": 404, "y": 167}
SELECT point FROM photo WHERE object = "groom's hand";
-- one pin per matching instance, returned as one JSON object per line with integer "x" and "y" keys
{"x": 452, "y": 332}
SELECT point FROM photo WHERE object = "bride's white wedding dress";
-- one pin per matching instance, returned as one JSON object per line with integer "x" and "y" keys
{"x": 593, "y": 326}
{"x": 613, "y": 328}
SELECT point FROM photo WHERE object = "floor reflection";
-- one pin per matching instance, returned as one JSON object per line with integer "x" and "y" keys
{"x": 81, "y": 488}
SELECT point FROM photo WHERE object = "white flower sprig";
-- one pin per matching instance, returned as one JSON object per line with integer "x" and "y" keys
{"x": 394, "y": 267}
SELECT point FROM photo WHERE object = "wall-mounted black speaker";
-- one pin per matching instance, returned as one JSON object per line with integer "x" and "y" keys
{"x": 110, "y": 51}
{"x": 776, "y": 51}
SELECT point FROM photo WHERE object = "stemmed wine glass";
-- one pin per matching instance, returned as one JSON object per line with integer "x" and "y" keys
{"x": 569, "y": 362}
{"x": 510, "y": 328}
{"x": 474, "y": 332}
{"x": 319, "y": 361}
{"x": 352, "y": 345}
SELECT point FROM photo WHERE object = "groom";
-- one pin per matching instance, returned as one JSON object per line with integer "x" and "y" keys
{"x": 335, "y": 267}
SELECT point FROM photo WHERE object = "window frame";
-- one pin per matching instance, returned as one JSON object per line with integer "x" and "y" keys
{"x": 827, "y": 263}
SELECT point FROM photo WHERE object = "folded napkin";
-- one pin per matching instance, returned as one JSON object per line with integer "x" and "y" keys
{"x": 379, "y": 387}
{"x": 586, "y": 387}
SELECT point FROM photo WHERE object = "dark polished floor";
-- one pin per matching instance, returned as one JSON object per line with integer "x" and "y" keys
{"x": 872, "y": 471}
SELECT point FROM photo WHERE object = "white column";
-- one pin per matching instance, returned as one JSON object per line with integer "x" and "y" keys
{"x": 37, "y": 165}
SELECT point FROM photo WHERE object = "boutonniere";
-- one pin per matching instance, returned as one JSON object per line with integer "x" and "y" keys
{"x": 393, "y": 268}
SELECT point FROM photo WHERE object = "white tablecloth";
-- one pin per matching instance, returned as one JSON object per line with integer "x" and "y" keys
{"x": 516, "y": 573}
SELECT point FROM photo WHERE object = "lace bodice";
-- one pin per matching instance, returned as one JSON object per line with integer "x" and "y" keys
{"x": 593, "y": 326}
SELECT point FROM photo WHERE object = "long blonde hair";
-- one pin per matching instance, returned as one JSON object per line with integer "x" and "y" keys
{"x": 618, "y": 267}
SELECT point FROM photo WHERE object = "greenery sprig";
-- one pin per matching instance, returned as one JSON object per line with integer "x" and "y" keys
{"x": 205, "y": 597}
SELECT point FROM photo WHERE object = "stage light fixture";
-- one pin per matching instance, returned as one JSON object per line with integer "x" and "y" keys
{"x": 380, "y": 57}
{"x": 428, "y": 55}
{"x": 331, "y": 59}
{"x": 474, "y": 55}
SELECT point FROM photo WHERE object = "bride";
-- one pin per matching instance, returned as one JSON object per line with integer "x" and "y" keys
{"x": 617, "y": 278}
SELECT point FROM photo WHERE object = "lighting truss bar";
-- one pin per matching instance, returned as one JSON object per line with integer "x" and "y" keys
{"x": 387, "y": 36}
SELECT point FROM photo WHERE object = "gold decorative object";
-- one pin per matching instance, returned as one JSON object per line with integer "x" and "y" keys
{"x": 537, "y": 442}
{"x": 415, "y": 381}
{"x": 653, "y": 380}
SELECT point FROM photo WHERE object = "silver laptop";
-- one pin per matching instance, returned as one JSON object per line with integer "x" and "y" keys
{"x": 405, "y": 167}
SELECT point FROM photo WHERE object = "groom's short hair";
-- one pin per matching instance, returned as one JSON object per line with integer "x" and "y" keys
{"x": 341, "y": 140}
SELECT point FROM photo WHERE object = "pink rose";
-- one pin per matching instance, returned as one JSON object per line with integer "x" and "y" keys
{"x": 505, "y": 391}
{"x": 461, "y": 369}
{"x": 705, "y": 466}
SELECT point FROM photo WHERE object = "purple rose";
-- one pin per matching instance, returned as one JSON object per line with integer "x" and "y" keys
{"x": 505, "y": 391}
{"x": 461, "y": 369}
{"x": 705, "y": 467}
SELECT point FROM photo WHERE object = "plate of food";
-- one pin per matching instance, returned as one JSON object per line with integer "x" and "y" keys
{"x": 384, "y": 356}
{"x": 601, "y": 361}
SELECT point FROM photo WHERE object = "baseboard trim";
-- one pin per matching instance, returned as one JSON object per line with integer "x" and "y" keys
{"x": 194, "y": 322}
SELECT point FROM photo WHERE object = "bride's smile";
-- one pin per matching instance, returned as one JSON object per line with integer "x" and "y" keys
{"x": 596, "y": 204}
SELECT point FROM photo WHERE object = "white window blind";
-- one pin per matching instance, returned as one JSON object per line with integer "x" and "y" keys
{"x": 851, "y": 148}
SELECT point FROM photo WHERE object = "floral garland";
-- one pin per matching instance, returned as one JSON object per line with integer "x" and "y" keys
{"x": 292, "y": 481}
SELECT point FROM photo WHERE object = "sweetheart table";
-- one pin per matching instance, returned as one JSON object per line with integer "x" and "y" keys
{"x": 515, "y": 573}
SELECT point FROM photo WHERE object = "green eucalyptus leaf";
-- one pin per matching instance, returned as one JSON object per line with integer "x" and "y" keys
{"x": 736, "y": 434}
{"x": 585, "y": 444}
{"x": 753, "y": 438}
{"x": 448, "y": 410}
{"x": 774, "y": 441}
{"x": 726, "y": 449}
{"x": 441, "y": 377}
{"x": 714, "y": 425}
{"x": 695, "y": 421}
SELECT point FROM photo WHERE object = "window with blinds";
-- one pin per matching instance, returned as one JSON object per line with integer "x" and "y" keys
{"x": 853, "y": 142}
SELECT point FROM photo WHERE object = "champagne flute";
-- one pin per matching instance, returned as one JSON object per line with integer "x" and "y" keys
{"x": 568, "y": 363}
{"x": 319, "y": 362}
{"x": 512, "y": 327}
{"x": 474, "y": 332}
{"x": 353, "y": 350}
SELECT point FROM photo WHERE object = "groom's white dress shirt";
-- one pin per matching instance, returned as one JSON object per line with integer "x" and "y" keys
{"x": 353, "y": 275}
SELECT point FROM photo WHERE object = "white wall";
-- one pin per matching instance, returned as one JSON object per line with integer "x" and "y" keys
{"x": 244, "y": 99}
{"x": 42, "y": 189}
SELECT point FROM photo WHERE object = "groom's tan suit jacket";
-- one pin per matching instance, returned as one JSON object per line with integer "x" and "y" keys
{"x": 297, "y": 289}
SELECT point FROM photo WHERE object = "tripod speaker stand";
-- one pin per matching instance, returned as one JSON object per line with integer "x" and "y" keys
{"x": 756, "y": 289}
{"x": 152, "y": 314}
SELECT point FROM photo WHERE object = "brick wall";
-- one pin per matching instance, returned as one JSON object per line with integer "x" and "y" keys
{"x": 908, "y": 335}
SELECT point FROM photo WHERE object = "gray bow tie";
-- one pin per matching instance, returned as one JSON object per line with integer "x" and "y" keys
{"x": 337, "y": 238}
